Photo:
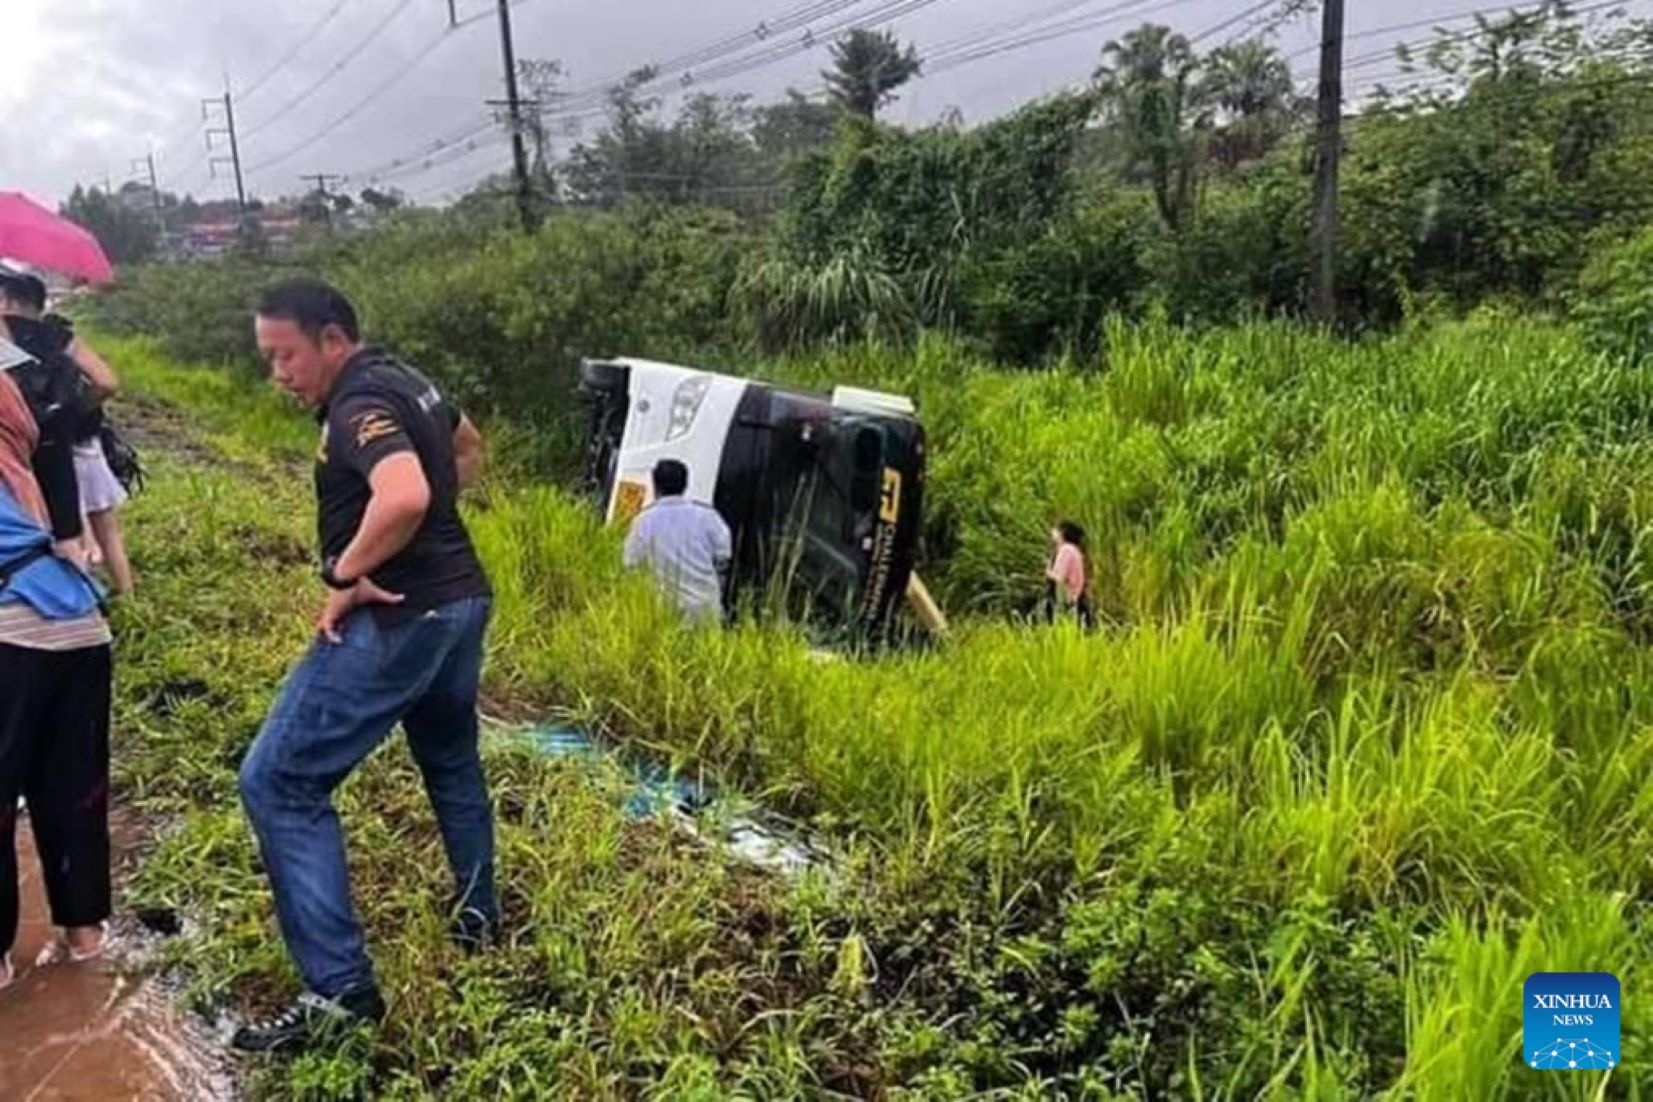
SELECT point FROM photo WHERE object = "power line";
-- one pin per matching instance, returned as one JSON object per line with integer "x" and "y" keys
{"x": 1038, "y": 36}
{"x": 1239, "y": 17}
{"x": 883, "y": 12}
{"x": 590, "y": 101}
{"x": 888, "y": 13}
{"x": 469, "y": 183}
{"x": 1038, "y": 23}
{"x": 788, "y": 21}
{"x": 304, "y": 40}
{"x": 1443, "y": 81}
{"x": 378, "y": 90}
{"x": 971, "y": 39}
{"x": 461, "y": 133}
{"x": 435, "y": 145}
{"x": 596, "y": 93}
{"x": 1432, "y": 21}
{"x": 1391, "y": 53}
{"x": 188, "y": 176}
{"x": 451, "y": 156}
{"x": 338, "y": 67}
{"x": 1455, "y": 36}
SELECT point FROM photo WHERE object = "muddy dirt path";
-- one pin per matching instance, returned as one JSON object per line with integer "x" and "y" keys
{"x": 100, "y": 1031}
{"x": 108, "y": 1030}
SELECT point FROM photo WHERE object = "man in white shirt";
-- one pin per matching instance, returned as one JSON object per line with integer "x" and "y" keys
{"x": 685, "y": 544}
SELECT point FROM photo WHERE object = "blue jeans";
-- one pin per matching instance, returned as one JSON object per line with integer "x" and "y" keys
{"x": 336, "y": 706}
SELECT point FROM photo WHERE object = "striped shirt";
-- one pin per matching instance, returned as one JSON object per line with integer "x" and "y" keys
{"x": 21, "y": 626}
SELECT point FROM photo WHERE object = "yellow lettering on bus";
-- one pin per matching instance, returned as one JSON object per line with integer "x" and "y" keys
{"x": 890, "y": 509}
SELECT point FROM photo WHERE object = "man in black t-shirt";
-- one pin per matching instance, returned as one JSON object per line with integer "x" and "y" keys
{"x": 399, "y": 639}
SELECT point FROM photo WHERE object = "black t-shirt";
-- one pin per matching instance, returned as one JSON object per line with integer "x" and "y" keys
{"x": 381, "y": 407}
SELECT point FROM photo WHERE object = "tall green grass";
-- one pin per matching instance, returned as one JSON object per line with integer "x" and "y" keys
{"x": 1364, "y": 742}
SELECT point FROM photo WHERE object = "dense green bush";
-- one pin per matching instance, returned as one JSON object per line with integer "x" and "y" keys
{"x": 1244, "y": 254}
{"x": 1004, "y": 235}
{"x": 1615, "y": 298}
{"x": 1027, "y": 303}
{"x": 201, "y": 311}
{"x": 501, "y": 319}
{"x": 505, "y": 322}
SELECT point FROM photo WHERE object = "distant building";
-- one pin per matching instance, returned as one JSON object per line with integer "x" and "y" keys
{"x": 278, "y": 228}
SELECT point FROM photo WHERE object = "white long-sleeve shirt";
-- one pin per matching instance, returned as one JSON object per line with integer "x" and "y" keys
{"x": 687, "y": 546}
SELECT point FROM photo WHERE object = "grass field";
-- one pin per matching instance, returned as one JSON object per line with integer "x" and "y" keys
{"x": 1365, "y": 741}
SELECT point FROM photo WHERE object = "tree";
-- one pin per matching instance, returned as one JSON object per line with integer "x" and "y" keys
{"x": 868, "y": 68}
{"x": 1247, "y": 86}
{"x": 541, "y": 81}
{"x": 631, "y": 151}
{"x": 314, "y": 210}
{"x": 785, "y": 131}
{"x": 128, "y": 231}
{"x": 1146, "y": 82}
{"x": 382, "y": 202}
{"x": 705, "y": 155}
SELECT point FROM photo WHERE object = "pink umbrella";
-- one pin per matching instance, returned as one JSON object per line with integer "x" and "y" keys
{"x": 31, "y": 233}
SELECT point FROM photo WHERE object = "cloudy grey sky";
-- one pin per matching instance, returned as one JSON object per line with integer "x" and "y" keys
{"x": 93, "y": 84}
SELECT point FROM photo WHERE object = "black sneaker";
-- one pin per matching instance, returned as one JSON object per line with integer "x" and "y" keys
{"x": 311, "y": 1018}
{"x": 472, "y": 930}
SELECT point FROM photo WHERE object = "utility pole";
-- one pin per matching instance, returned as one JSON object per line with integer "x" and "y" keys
{"x": 140, "y": 163}
{"x": 1323, "y": 250}
{"x": 530, "y": 111}
{"x": 519, "y": 149}
{"x": 322, "y": 179}
{"x": 234, "y": 159}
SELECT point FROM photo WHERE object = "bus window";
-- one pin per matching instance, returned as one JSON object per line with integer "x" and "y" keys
{"x": 866, "y": 483}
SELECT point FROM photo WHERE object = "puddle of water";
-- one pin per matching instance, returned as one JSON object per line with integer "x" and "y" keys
{"x": 107, "y": 1030}
{"x": 96, "y": 1031}
{"x": 658, "y": 793}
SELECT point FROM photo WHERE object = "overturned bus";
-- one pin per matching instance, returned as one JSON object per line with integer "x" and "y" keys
{"x": 823, "y": 494}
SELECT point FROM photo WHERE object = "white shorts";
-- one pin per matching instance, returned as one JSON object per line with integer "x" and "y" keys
{"x": 100, "y": 490}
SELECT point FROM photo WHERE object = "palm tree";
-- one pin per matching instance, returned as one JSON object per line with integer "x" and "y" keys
{"x": 867, "y": 68}
{"x": 1248, "y": 87}
{"x": 1146, "y": 81}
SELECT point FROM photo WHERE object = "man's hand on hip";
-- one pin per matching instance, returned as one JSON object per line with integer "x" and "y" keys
{"x": 342, "y": 602}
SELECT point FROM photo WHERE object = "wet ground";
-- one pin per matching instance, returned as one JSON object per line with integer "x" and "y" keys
{"x": 99, "y": 1031}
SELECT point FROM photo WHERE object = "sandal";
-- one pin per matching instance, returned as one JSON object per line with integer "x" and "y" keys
{"x": 57, "y": 950}
{"x": 7, "y": 972}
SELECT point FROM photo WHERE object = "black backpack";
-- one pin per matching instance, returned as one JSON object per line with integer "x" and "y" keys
{"x": 57, "y": 393}
{"x": 122, "y": 457}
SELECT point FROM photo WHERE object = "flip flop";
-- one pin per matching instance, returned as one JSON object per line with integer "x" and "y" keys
{"x": 57, "y": 950}
{"x": 7, "y": 972}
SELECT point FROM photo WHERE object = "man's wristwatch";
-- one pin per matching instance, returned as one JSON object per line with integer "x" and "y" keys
{"x": 330, "y": 578}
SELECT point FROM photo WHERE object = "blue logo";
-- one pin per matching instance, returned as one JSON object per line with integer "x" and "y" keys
{"x": 1572, "y": 1021}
